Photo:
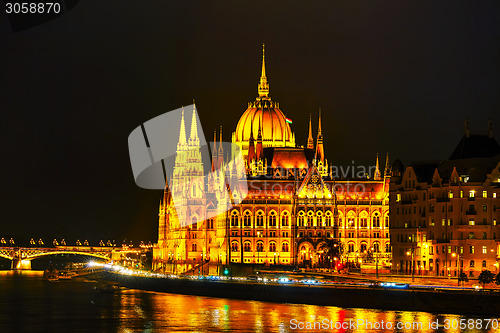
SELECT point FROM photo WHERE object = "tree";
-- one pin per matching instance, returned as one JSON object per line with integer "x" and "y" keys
{"x": 463, "y": 278}
{"x": 486, "y": 277}
{"x": 497, "y": 279}
{"x": 328, "y": 250}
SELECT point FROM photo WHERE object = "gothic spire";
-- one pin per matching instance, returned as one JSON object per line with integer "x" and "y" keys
{"x": 310, "y": 140}
{"x": 193, "y": 138}
{"x": 320, "y": 151}
{"x": 214, "y": 151}
{"x": 377, "y": 175}
{"x": 182, "y": 134}
{"x": 263, "y": 87}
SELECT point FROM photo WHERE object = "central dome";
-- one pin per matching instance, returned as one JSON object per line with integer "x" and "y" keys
{"x": 263, "y": 114}
{"x": 274, "y": 128}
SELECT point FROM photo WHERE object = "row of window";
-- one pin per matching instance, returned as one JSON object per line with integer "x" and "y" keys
{"x": 259, "y": 247}
{"x": 363, "y": 247}
{"x": 411, "y": 238}
{"x": 450, "y": 195}
{"x": 421, "y": 210}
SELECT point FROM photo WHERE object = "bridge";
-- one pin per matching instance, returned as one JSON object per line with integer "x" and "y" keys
{"x": 21, "y": 256}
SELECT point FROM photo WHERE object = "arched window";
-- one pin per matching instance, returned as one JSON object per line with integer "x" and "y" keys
{"x": 260, "y": 246}
{"x": 247, "y": 219}
{"x": 272, "y": 219}
{"x": 376, "y": 220}
{"x": 320, "y": 219}
{"x": 328, "y": 219}
{"x": 472, "y": 264}
{"x": 484, "y": 235}
{"x": 301, "y": 219}
{"x": 272, "y": 247}
{"x": 363, "y": 247}
{"x": 194, "y": 222}
{"x": 350, "y": 247}
{"x": 309, "y": 218}
{"x": 234, "y": 219}
{"x": 234, "y": 247}
{"x": 387, "y": 247}
{"x": 386, "y": 218}
{"x": 484, "y": 263}
{"x": 193, "y": 247}
{"x": 260, "y": 219}
{"x": 376, "y": 247}
{"x": 485, "y": 208}
{"x": 284, "y": 219}
{"x": 247, "y": 247}
{"x": 319, "y": 234}
{"x": 284, "y": 247}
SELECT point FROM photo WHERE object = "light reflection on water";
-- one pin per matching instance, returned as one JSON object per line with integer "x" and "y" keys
{"x": 30, "y": 304}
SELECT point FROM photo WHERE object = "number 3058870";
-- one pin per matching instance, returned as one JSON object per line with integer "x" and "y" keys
{"x": 32, "y": 7}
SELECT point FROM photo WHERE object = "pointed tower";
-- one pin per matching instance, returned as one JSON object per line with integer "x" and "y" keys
{"x": 310, "y": 140}
{"x": 320, "y": 151}
{"x": 214, "y": 152}
{"x": 263, "y": 87}
{"x": 194, "y": 140}
{"x": 387, "y": 169}
{"x": 221, "y": 150}
{"x": 251, "y": 147}
{"x": 260, "y": 150}
{"x": 182, "y": 144}
{"x": 377, "y": 175}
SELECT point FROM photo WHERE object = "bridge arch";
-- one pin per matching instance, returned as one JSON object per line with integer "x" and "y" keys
{"x": 88, "y": 254}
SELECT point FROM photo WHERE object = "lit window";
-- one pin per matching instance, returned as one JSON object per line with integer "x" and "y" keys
{"x": 485, "y": 194}
{"x": 461, "y": 194}
{"x": 284, "y": 247}
{"x": 471, "y": 249}
{"x": 472, "y": 263}
{"x": 471, "y": 221}
{"x": 398, "y": 197}
{"x": 485, "y": 249}
{"x": 471, "y": 193}
{"x": 450, "y": 195}
{"x": 494, "y": 195}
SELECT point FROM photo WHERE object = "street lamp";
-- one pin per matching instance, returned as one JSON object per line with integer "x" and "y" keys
{"x": 459, "y": 271}
{"x": 411, "y": 265}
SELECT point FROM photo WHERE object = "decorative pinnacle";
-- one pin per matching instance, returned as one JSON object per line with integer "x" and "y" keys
{"x": 263, "y": 87}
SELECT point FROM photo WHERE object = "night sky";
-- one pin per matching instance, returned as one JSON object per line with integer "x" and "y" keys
{"x": 389, "y": 76}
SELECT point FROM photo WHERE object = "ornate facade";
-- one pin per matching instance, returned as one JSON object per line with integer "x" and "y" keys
{"x": 445, "y": 214}
{"x": 295, "y": 202}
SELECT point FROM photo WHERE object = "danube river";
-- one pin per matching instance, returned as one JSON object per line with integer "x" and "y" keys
{"x": 30, "y": 304}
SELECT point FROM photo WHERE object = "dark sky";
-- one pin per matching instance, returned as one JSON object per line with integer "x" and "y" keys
{"x": 390, "y": 76}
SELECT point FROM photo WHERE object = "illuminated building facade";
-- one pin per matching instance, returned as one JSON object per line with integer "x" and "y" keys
{"x": 444, "y": 215}
{"x": 295, "y": 204}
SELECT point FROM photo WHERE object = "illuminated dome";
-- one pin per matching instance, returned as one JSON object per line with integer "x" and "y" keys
{"x": 263, "y": 114}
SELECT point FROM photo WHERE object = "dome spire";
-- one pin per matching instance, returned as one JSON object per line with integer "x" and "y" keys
{"x": 263, "y": 87}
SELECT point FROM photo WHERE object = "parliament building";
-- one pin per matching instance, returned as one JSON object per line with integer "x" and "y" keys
{"x": 295, "y": 201}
